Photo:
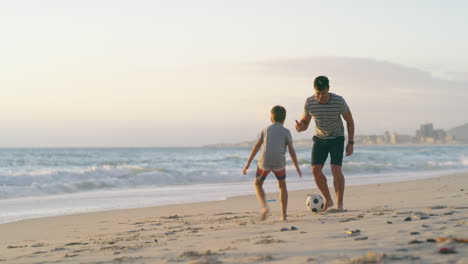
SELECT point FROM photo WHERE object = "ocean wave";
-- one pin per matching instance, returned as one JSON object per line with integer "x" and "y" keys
{"x": 43, "y": 172}
{"x": 48, "y": 181}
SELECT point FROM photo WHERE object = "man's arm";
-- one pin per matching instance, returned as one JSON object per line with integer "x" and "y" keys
{"x": 304, "y": 123}
{"x": 252, "y": 155}
{"x": 294, "y": 158}
{"x": 348, "y": 117}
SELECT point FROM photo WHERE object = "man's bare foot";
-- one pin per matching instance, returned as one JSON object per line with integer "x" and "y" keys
{"x": 339, "y": 206}
{"x": 264, "y": 214}
{"x": 283, "y": 217}
{"x": 327, "y": 205}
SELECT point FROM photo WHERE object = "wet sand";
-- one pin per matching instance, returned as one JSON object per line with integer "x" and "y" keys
{"x": 423, "y": 221}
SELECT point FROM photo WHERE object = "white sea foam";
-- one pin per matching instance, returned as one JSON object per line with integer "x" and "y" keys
{"x": 48, "y": 181}
{"x": 15, "y": 209}
{"x": 47, "y": 173}
{"x": 464, "y": 160}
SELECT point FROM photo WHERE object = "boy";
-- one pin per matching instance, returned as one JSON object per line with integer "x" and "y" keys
{"x": 274, "y": 139}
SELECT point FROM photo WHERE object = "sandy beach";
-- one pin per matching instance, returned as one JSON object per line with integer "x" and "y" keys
{"x": 402, "y": 222}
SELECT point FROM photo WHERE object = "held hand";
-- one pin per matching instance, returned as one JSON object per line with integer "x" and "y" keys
{"x": 245, "y": 169}
{"x": 349, "y": 149}
{"x": 299, "y": 126}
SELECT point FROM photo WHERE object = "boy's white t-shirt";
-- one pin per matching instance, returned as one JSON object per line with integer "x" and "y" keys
{"x": 275, "y": 139}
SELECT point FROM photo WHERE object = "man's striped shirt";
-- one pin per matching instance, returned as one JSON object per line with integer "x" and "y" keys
{"x": 328, "y": 123}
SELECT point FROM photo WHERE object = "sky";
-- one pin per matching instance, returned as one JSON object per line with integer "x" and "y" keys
{"x": 190, "y": 73}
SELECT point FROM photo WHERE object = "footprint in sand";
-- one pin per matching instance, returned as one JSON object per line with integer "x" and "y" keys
{"x": 241, "y": 240}
{"x": 269, "y": 241}
{"x": 374, "y": 257}
{"x": 227, "y": 249}
{"x": 76, "y": 244}
{"x": 80, "y": 250}
{"x": 228, "y": 213}
{"x": 135, "y": 231}
{"x": 436, "y": 207}
{"x": 40, "y": 252}
{"x": 264, "y": 258}
{"x": 126, "y": 259}
{"x": 113, "y": 248}
{"x": 206, "y": 261}
{"x": 335, "y": 211}
{"x": 38, "y": 245}
{"x": 361, "y": 238}
{"x": 197, "y": 255}
{"x": 11, "y": 246}
{"x": 348, "y": 219}
{"x": 172, "y": 217}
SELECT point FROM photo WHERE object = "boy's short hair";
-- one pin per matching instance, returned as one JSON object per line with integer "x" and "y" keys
{"x": 278, "y": 113}
{"x": 321, "y": 83}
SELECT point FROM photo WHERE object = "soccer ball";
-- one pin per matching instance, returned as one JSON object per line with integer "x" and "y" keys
{"x": 314, "y": 203}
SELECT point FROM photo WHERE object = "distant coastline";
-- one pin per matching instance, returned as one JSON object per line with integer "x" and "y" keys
{"x": 426, "y": 135}
{"x": 308, "y": 143}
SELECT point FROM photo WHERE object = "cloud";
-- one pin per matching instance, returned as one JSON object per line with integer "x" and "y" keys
{"x": 383, "y": 95}
{"x": 356, "y": 71}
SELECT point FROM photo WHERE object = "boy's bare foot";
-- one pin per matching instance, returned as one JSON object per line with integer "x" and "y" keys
{"x": 264, "y": 214}
{"x": 283, "y": 217}
{"x": 327, "y": 205}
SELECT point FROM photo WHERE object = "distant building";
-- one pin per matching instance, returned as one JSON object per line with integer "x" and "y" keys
{"x": 450, "y": 139}
{"x": 428, "y": 135}
{"x": 425, "y": 131}
{"x": 404, "y": 139}
{"x": 387, "y": 138}
{"x": 440, "y": 135}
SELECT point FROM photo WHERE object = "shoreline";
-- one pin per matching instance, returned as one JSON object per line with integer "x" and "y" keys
{"x": 235, "y": 189}
{"x": 229, "y": 231}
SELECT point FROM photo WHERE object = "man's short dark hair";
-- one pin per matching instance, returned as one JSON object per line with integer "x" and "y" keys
{"x": 278, "y": 113}
{"x": 321, "y": 83}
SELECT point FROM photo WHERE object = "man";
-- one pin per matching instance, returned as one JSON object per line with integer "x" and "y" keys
{"x": 327, "y": 108}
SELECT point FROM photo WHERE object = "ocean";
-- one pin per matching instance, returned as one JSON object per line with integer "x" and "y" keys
{"x": 51, "y": 182}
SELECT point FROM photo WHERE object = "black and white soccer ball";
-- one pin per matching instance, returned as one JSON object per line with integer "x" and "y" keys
{"x": 314, "y": 203}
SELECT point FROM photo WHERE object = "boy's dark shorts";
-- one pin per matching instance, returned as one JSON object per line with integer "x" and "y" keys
{"x": 322, "y": 147}
{"x": 280, "y": 174}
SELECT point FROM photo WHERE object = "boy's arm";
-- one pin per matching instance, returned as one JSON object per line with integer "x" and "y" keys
{"x": 294, "y": 158}
{"x": 304, "y": 123}
{"x": 252, "y": 155}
